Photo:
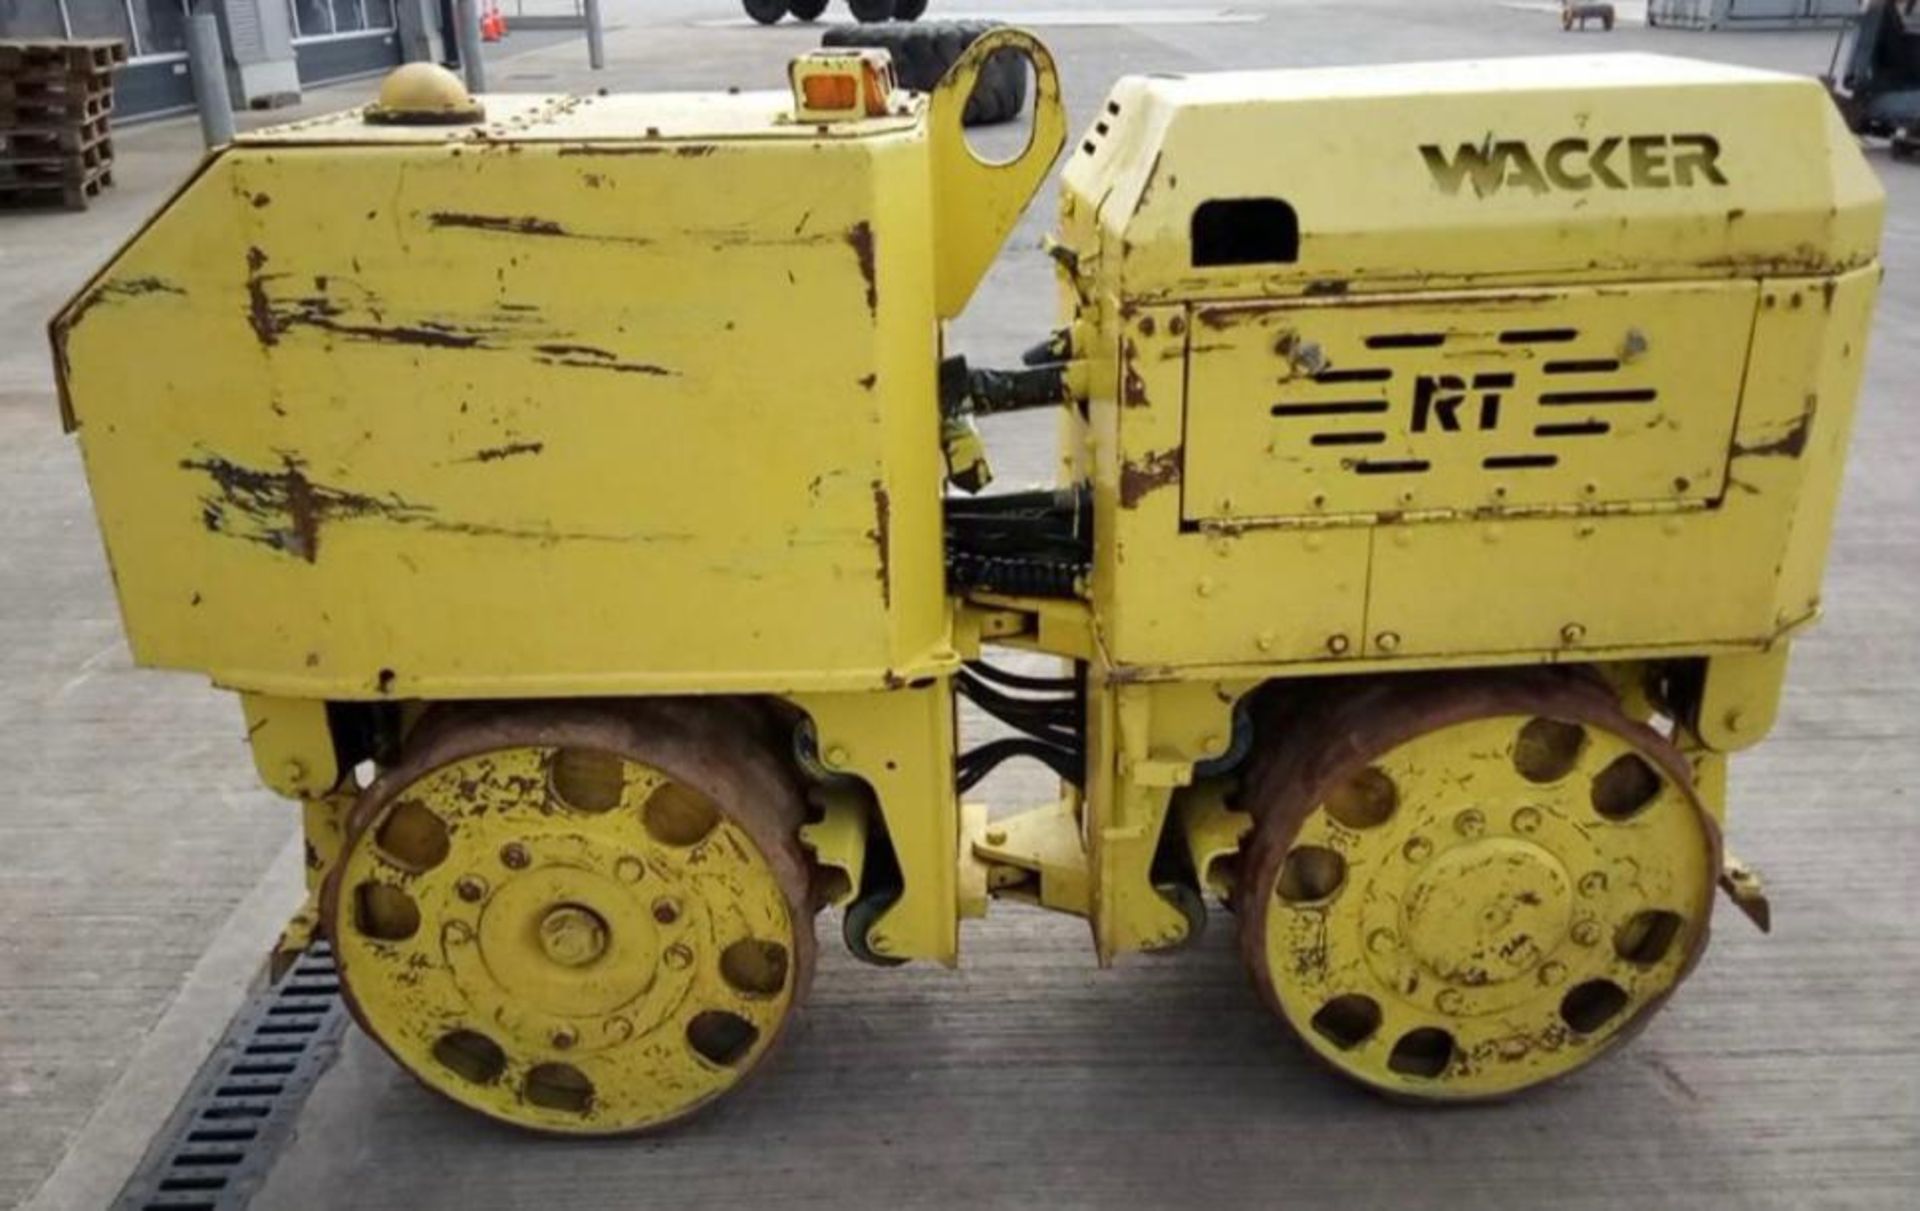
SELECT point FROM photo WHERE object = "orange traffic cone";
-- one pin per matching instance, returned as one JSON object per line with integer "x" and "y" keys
{"x": 493, "y": 26}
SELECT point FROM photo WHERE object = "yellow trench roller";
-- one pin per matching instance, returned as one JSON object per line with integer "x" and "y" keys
{"x": 580, "y": 497}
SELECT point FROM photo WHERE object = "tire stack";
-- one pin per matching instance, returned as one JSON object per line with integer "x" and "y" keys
{"x": 56, "y": 108}
{"x": 768, "y": 12}
{"x": 923, "y": 53}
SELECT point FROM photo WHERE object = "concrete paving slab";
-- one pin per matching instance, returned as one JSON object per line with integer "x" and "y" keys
{"x": 1787, "y": 1074}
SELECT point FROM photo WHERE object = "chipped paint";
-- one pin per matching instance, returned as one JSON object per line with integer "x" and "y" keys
{"x": 494, "y": 454}
{"x": 1791, "y": 444}
{"x": 882, "y": 538}
{"x": 1148, "y": 474}
{"x": 511, "y": 224}
{"x": 284, "y": 509}
{"x": 587, "y": 357}
{"x": 860, "y": 236}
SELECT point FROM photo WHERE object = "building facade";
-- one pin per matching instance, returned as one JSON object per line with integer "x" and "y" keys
{"x": 274, "y": 48}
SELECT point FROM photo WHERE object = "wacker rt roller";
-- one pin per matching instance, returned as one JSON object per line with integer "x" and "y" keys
{"x": 1448, "y": 455}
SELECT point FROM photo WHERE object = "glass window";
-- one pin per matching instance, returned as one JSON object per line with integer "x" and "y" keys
{"x": 379, "y": 14}
{"x": 162, "y": 25}
{"x": 347, "y": 16}
{"x": 311, "y": 18}
{"x": 31, "y": 19}
{"x": 100, "y": 19}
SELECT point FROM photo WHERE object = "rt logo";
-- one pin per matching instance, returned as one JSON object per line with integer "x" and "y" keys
{"x": 1577, "y": 165}
{"x": 1438, "y": 398}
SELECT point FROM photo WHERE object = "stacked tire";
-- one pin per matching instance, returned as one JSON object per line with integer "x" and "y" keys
{"x": 923, "y": 53}
{"x": 768, "y": 12}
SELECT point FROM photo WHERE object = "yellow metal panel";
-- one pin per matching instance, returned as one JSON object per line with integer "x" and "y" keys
{"x": 633, "y": 118}
{"x": 415, "y": 421}
{"x": 901, "y": 742}
{"x": 977, "y": 202}
{"x": 1489, "y": 402}
{"x": 1165, "y": 594}
{"x": 1555, "y": 169}
{"x": 1811, "y": 432}
{"x": 292, "y": 744}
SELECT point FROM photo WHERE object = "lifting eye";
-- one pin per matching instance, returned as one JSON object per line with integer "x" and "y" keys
{"x": 1245, "y": 231}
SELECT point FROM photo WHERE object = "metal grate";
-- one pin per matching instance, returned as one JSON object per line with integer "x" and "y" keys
{"x": 220, "y": 1142}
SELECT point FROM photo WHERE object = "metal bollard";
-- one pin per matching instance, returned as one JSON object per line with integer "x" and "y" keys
{"x": 596, "y": 39}
{"x": 207, "y": 66}
{"x": 466, "y": 26}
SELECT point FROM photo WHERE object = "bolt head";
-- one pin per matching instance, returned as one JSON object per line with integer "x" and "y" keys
{"x": 1586, "y": 932}
{"x": 1572, "y": 633}
{"x": 1338, "y": 644}
{"x": 1387, "y": 641}
{"x": 1470, "y": 823}
{"x": 678, "y": 957}
{"x": 470, "y": 888}
{"x": 514, "y": 856}
{"x": 1526, "y": 820}
{"x": 564, "y": 1038}
{"x": 666, "y": 910}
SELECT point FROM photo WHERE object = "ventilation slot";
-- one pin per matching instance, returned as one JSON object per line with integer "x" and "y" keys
{"x": 1406, "y": 466}
{"x": 1348, "y": 439}
{"x": 1538, "y": 336}
{"x": 1626, "y": 395}
{"x": 1407, "y": 340}
{"x": 1245, "y": 231}
{"x": 1506, "y": 462}
{"x": 1572, "y": 428}
{"x": 1344, "y": 407}
{"x": 1371, "y": 374}
{"x": 1599, "y": 365}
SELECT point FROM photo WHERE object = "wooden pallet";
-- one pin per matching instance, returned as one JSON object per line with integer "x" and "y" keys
{"x": 31, "y": 153}
{"x": 80, "y": 56}
{"x": 51, "y": 134}
{"x": 25, "y": 101}
{"x": 22, "y": 189}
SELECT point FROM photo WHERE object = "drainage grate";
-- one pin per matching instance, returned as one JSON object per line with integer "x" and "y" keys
{"x": 221, "y": 1140}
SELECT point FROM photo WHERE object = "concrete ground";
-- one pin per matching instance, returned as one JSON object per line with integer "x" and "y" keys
{"x": 142, "y": 869}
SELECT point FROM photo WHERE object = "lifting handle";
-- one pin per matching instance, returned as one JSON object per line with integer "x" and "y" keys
{"x": 976, "y": 202}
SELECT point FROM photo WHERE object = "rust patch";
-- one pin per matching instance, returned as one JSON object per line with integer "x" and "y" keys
{"x": 121, "y": 288}
{"x": 512, "y": 224}
{"x": 281, "y": 509}
{"x": 860, "y": 236}
{"x": 1791, "y": 444}
{"x": 589, "y": 357}
{"x": 494, "y": 454}
{"x": 284, "y": 509}
{"x": 1331, "y": 288}
{"x": 259, "y": 308}
{"x": 882, "y": 527}
{"x": 318, "y": 311}
{"x": 1148, "y": 474}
